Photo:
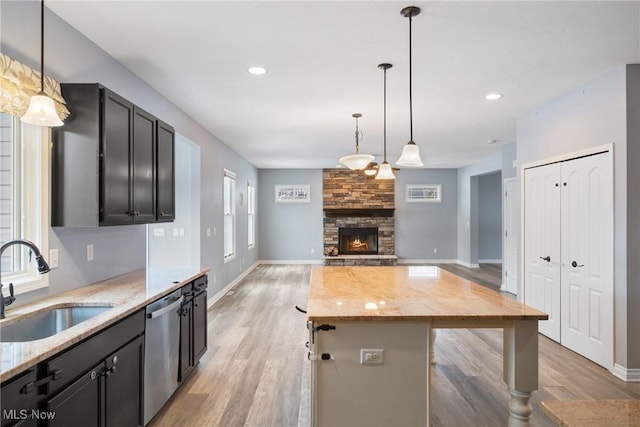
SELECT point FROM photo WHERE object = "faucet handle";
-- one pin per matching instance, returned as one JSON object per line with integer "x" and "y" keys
{"x": 11, "y": 289}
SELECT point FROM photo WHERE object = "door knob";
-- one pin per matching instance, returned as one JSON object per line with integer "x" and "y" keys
{"x": 574, "y": 264}
{"x": 547, "y": 258}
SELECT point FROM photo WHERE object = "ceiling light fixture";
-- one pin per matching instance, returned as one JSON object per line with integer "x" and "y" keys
{"x": 371, "y": 169}
{"x": 492, "y": 96}
{"x": 411, "y": 152}
{"x": 258, "y": 71}
{"x": 384, "y": 170}
{"x": 41, "y": 110}
{"x": 357, "y": 161}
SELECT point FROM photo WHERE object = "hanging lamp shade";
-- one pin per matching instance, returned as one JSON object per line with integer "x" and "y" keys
{"x": 42, "y": 109}
{"x": 384, "y": 170}
{"x": 41, "y": 112}
{"x": 411, "y": 152}
{"x": 357, "y": 161}
{"x": 410, "y": 156}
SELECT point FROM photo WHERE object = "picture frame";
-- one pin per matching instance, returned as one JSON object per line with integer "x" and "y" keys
{"x": 292, "y": 193}
{"x": 423, "y": 193}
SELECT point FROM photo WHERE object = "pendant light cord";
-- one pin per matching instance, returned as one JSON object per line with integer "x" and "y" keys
{"x": 357, "y": 134}
{"x": 384, "y": 115}
{"x": 410, "y": 86}
{"x": 42, "y": 46}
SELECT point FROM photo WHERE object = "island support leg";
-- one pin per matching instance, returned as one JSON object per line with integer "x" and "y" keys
{"x": 432, "y": 351}
{"x": 520, "y": 371}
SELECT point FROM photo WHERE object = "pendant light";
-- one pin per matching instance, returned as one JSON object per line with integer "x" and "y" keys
{"x": 357, "y": 161}
{"x": 384, "y": 170}
{"x": 411, "y": 152}
{"x": 42, "y": 110}
{"x": 371, "y": 169}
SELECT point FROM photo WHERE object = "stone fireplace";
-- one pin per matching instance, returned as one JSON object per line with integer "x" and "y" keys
{"x": 354, "y": 206}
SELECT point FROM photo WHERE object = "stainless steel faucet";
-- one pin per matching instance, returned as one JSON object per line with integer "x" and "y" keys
{"x": 42, "y": 266}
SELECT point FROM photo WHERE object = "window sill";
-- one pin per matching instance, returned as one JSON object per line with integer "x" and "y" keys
{"x": 25, "y": 284}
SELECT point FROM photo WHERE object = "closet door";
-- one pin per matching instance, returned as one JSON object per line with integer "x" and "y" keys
{"x": 542, "y": 244}
{"x": 587, "y": 257}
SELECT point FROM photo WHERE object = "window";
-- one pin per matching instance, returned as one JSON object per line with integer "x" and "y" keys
{"x": 24, "y": 199}
{"x": 251, "y": 215}
{"x": 424, "y": 193}
{"x": 229, "y": 203}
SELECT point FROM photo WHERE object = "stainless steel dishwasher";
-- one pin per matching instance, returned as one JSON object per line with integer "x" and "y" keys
{"x": 162, "y": 349}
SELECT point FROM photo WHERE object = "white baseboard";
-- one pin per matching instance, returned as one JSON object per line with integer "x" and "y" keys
{"x": 628, "y": 375}
{"x": 222, "y": 292}
{"x": 468, "y": 264}
{"x": 294, "y": 261}
{"x": 489, "y": 261}
{"x": 426, "y": 261}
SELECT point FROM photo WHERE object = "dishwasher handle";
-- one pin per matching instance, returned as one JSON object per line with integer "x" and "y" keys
{"x": 165, "y": 310}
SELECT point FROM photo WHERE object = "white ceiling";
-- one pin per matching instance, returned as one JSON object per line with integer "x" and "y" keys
{"x": 322, "y": 58}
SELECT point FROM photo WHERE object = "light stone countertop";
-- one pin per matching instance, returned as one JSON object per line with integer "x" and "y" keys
{"x": 593, "y": 413}
{"x": 407, "y": 293}
{"x": 127, "y": 293}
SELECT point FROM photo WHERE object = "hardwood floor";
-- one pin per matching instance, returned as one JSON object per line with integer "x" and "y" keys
{"x": 255, "y": 371}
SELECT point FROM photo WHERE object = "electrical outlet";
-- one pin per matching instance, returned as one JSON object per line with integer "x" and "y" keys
{"x": 89, "y": 252}
{"x": 371, "y": 356}
{"x": 176, "y": 232}
{"x": 53, "y": 258}
{"x": 313, "y": 250}
{"x": 435, "y": 250}
{"x": 208, "y": 232}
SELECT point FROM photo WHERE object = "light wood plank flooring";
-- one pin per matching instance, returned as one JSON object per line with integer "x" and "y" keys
{"x": 255, "y": 372}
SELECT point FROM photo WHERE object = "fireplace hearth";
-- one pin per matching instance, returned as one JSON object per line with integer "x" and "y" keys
{"x": 358, "y": 241}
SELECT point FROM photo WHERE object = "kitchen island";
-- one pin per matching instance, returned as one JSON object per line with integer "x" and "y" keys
{"x": 371, "y": 332}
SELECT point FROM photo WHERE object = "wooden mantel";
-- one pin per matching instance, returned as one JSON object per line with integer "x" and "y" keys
{"x": 339, "y": 213}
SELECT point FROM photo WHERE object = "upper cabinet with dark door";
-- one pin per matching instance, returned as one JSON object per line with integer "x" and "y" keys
{"x": 165, "y": 175}
{"x": 110, "y": 162}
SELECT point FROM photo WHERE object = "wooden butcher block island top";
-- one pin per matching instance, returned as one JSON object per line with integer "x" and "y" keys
{"x": 407, "y": 293}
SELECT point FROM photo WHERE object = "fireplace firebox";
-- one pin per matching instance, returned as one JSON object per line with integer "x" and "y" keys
{"x": 358, "y": 241}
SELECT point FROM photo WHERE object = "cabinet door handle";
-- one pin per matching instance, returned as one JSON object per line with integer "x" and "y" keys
{"x": 547, "y": 258}
{"x": 574, "y": 264}
{"x": 111, "y": 370}
{"x": 29, "y": 387}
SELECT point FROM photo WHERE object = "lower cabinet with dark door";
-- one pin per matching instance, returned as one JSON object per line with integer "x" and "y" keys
{"x": 97, "y": 382}
{"x": 193, "y": 326}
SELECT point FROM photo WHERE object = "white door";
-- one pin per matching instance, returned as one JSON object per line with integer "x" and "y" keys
{"x": 587, "y": 257}
{"x": 542, "y": 244}
{"x": 511, "y": 241}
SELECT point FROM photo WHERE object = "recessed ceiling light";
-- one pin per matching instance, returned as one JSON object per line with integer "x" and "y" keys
{"x": 492, "y": 141}
{"x": 492, "y": 96}
{"x": 257, "y": 70}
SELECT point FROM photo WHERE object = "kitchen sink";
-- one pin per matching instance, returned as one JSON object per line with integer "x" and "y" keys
{"x": 48, "y": 322}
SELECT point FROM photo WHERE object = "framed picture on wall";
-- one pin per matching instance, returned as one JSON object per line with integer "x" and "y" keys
{"x": 423, "y": 193}
{"x": 292, "y": 194}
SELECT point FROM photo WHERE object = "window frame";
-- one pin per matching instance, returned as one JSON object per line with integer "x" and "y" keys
{"x": 31, "y": 146}
{"x": 228, "y": 175}
{"x": 251, "y": 215}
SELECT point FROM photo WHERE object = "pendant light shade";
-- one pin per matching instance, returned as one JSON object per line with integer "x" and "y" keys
{"x": 41, "y": 110}
{"x": 357, "y": 161}
{"x": 411, "y": 152}
{"x": 384, "y": 170}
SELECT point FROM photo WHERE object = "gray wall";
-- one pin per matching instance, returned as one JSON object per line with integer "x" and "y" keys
{"x": 468, "y": 233}
{"x": 290, "y": 231}
{"x": 589, "y": 116}
{"x": 421, "y": 227}
{"x": 490, "y": 217}
{"x": 509, "y": 154}
{"x": 71, "y": 57}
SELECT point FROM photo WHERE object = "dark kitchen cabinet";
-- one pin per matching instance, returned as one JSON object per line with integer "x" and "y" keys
{"x": 107, "y": 161}
{"x": 165, "y": 176}
{"x": 193, "y": 326}
{"x": 109, "y": 394}
{"x": 97, "y": 382}
{"x": 19, "y": 399}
